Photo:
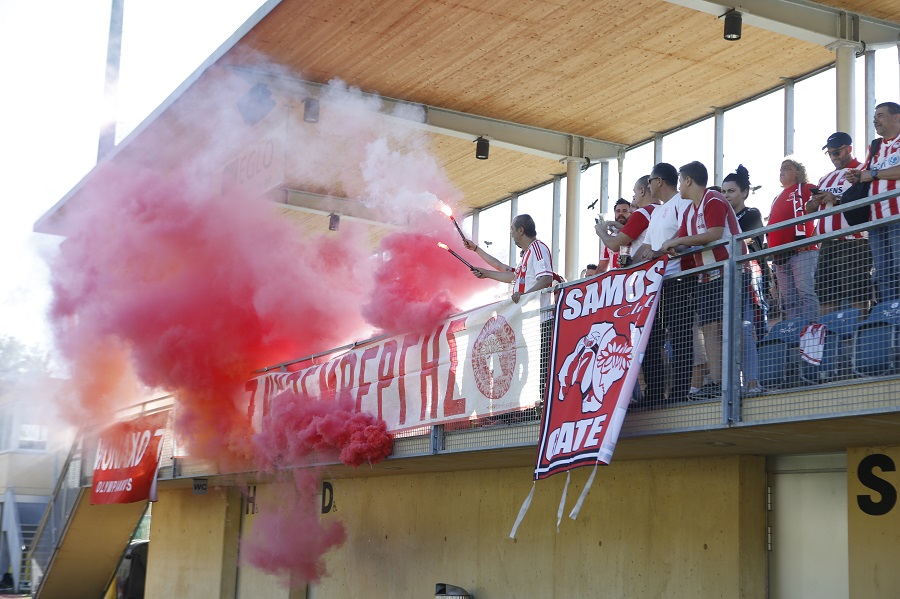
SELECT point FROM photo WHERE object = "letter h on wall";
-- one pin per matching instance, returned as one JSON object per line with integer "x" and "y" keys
{"x": 251, "y": 508}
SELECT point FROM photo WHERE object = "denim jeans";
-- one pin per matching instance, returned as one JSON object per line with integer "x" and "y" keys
{"x": 797, "y": 286}
{"x": 884, "y": 243}
{"x": 749, "y": 356}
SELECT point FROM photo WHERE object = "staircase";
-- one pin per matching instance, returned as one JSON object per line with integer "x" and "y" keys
{"x": 28, "y": 532}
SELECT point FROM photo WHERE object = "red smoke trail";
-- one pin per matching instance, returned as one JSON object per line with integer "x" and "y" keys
{"x": 419, "y": 284}
{"x": 291, "y": 542}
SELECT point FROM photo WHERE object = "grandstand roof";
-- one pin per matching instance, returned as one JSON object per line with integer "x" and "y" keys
{"x": 542, "y": 78}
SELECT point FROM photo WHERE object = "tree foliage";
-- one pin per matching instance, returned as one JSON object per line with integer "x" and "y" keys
{"x": 19, "y": 362}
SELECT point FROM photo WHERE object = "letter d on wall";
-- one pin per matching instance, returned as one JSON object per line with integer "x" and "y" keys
{"x": 327, "y": 497}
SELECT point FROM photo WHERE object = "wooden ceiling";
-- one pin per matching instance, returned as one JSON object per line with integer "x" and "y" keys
{"x": 613, "y": 71}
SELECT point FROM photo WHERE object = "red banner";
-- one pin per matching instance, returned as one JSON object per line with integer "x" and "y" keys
{"x": 600, "y": 334}
{"x": 127, "y": 459}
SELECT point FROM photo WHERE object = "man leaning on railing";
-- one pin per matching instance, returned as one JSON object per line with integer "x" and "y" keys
{"x": 883, "y": 173}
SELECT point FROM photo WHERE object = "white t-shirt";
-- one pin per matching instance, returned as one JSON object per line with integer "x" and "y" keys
{"x": 535, "y": 263}
{"x": 664, "y": 223}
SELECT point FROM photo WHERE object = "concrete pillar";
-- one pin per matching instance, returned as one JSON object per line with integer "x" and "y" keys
{"x": 788, "y": 117}
{"x": 620, "y": 160}
{"x": 657, "y": 148}
{"x": 557, "y": 211}
{"x": 845, "y": 68}
{"x": 869, "y": 127}
{"x": 604, "y": 187}
{"x": 107, "y": 140}
{"x": 513, "y": 212}
{"x": 719, "y": 146}
{"x": 573, "y": 201}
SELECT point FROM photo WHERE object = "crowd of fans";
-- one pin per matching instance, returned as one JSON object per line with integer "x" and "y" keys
{"x": 675, "y": 212}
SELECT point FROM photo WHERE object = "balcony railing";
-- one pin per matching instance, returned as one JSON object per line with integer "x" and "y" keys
{"x": 858, "y": 379}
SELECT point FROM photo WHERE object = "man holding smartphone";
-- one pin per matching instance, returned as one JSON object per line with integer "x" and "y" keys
{"x": 621, "y": 212}
{"x": 842, "y": 275}
{"x": 635, "y": 227}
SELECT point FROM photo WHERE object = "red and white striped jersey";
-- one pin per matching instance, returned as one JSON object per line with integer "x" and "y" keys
{"x": 836, "y": 183}
{"x": 611, "y": 256}
{"x": 536, "y": 262}
{"x": 888, "y": 155}
{"x": 713, "y": 211}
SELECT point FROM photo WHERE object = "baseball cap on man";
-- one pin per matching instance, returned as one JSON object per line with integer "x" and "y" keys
{"x": 838, "y": 140}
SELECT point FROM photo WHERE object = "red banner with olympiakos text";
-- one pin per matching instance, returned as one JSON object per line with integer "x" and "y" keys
{"x": 127, "y": 459}
{"x": 600, "y": 334}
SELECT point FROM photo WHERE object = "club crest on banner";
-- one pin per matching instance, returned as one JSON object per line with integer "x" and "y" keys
{"x": 494, "y": 357}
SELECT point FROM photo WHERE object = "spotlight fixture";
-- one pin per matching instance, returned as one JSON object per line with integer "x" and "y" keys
{"x": 311, "y": 110}
{"x": 733, "y": 21}
{"x": 256, "y": 104}
{"x": 334, "y": 221}
{"x": 442, "y": 589}
{"x": 482, "y": 148}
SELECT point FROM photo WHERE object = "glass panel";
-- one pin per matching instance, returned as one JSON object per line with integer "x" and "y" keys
{"x": 754, "y": 137}
{"x": 638, "y": 162}
{"x": 493, "y": 231}
{"x": 691, "y": 143}
{"x": 814, "y": 120}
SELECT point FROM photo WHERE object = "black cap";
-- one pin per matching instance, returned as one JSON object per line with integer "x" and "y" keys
{"x": 838, "y": 140}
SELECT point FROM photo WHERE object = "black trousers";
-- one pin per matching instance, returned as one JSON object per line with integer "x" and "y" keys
{"x": 675, "y": 322}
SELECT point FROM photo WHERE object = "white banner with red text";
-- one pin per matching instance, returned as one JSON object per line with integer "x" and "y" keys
{"x": 127, "y": 459}
{"x": 600, "y": 334}
{"x": 476, "y": 364}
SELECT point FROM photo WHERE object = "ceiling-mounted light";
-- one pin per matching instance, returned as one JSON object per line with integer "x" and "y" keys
{"x": 482, "y": 148}
{"x": 733, "y": 23}
{"x": 442, "y": 589}
{"x": 334, "y": 221}
{"x": 311, "y": 110}
{"x": 256, "y": 104}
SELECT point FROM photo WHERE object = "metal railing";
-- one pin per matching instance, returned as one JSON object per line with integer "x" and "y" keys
{"x": 803, "y": 399}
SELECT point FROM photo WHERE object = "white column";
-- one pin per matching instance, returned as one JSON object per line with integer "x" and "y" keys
{"x": 554, "y": 244}
{"x": 845, "y": 83}
{"x": 107, "y": 140}
{"x": 604, "y": 200}
{"x": 604, "y": 187}
{"x": 476, "y": 228}
{"x": 719, "y": 146}
{"x": 513, "y": 212}
{"x": 788, "y": 117}
{"x": 573, "y": 186}
{"x": 620, "y": 161}
{"x": 657, "y": 148}
{"x": 869, "y": 127}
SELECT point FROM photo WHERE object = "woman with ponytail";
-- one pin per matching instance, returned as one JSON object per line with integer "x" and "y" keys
{"x": 736, "y": 189}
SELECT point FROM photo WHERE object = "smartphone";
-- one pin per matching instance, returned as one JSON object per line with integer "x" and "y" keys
{"x": 814, "y": 190}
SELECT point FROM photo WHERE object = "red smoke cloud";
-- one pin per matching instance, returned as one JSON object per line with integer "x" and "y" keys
{"x": 300, "y": 426}
{"x": 167, "y": 282}
{"x": 420, "y": 284}
{"x": 200, "y": 290}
